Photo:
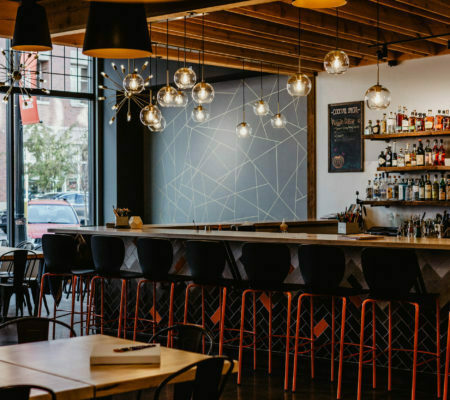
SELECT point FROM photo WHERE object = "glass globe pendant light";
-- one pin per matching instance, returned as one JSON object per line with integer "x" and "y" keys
{"x": 158, "y": 126}
{"x": 200, "y": 114}
{"x": 133, "y": 82}
{"x": 243, "y": 130}
{"x": 203, "y": 92}
{"x": 185, "y": 77}
{"x": 336, "y": 62}
{"x": 278, "y": 120}
{"x": 151, "y": 114}
{"x": 260, "y": 107}
{"x": 299, "y": 84}
{"x": 166, "y": 95}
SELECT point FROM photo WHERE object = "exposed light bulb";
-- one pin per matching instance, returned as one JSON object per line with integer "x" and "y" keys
{"x": 243, "y": 130}
{"x": 133, "y": 83}
{"x": 261, "y": 107}
{"x": 150, "y": 115}
{"x": 378, "y": 97}
{"x": 200, "y": 114}
{"x": 298, "y": 85}
{"x": 185, "y": 78}
{"x": 203, "y": 93}
{"x": 336, "y": 62}
{"x": 278, "y": 121}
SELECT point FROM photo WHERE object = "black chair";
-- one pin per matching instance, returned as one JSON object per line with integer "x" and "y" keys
{"x": 206, "y": 261}
{"x": 29, "y": 329}
{"x": 60, "y": 254}
{"x": 187, "y": 337}
{"x": 108, "y": 254}
{"x": 208, "y": 384}
{"x": 155, "y": 259}
{"x": 22, "y": 392}
{"x": 267, "y": 266}
{"x": 390, "y": 275}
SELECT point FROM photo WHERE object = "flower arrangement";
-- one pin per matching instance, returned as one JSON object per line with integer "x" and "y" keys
{"x": 121, "y": 212}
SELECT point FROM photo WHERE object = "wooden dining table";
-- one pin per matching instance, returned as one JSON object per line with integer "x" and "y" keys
{"x": 34, "y": 254}
{"x": 68, "y": 359}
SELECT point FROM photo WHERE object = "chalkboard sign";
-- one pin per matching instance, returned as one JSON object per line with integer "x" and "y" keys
{"x": 345, "y": 137}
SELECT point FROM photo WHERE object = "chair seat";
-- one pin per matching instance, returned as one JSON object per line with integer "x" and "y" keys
{"x": 338, "y": 292}
{"x": 261, "y": 285}
{"x": 83, "y": 271}
{"x": 421, "y": 298}
{"x": 122, "y": 274}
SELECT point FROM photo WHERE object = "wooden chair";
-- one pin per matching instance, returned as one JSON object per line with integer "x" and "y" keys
{"x": 22, "y": 392}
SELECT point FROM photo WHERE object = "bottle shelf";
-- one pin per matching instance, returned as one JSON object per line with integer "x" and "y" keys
{"x": 403, "y": 135}
{"x": 426, "y": 168}
{"x": 401, "y": 203}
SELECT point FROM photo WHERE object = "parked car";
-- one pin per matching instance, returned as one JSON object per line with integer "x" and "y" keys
{"x": 79, "y": 201}
{"x": 3, "y": 221}
{"x": 44, "y": 214}
{"x": 46, "y": 196}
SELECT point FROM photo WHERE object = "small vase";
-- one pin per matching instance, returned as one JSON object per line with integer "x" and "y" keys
{"x": 135, "y": 222}
{"x": 122, "y": 222}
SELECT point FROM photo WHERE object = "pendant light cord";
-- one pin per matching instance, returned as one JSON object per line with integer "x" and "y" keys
{"x": 299, "y": 39}
{"x": 278, "y": 91}
{"x": 378, "y": 41}
{"x": 203, "y": 47}
{"x": 167, "y": 51}
{"x": 261, "y": 77}
{"x": 185, "y": 41}
{"x": 337, "y": 28}
{"x": 243, "y": 90}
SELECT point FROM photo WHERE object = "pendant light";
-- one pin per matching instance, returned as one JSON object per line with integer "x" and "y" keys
{"x": 299, "y": 84}
{"x": 166, "y": 95}
{"x": 278, "y": 121}
{"x": 260, "y": 107}
{"x": 336, "y": 61}
{"x": 116, "y": 30}
{"x": 243, "y": 130}
{"x": 319, "y": 3}
{"x": 185, "y": 77}
{"x": 203, "y": 92}
{"x": 377, "y": 96}
{"x": 31, "y": 32}
{"x": 151, "y": 114}
{"x": 158, "y": 126}
{"x": 200, "y": 114}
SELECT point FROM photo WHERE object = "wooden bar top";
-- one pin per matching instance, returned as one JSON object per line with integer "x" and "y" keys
{"x": 265, "y": 237}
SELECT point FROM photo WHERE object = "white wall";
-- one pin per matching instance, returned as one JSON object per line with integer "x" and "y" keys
{"x": 416, "y": 84}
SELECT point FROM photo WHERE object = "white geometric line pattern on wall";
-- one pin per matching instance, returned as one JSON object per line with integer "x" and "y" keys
{"x": 204, "y": 172}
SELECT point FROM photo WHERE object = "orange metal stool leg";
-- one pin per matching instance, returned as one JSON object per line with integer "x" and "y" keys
{"x": 254, "y": 331}
{"x": 333, "y": 342}
{"x": 416, "y": 345}
{"x": 136, "y": 311}
{"x": 72, "y": 316}
{"x": 241, "y": 336}
{"x": 297, "y": 334}
{"x": 222, "y": 319}
{"x": 186, "y": 301}
{"x": 119, "y": 330}
{"x": 288, "y": 340}
{"x": 447, "y": 362}
{"x": 311, "y": 305}
{"x": 438, "y": 347}
{"x": 270, "y": 334}
{"x": 374, "y": 346}
{"x": 341, "y": 348}
{"x": 390, "y": 348}
{"x": 361, "y": 347}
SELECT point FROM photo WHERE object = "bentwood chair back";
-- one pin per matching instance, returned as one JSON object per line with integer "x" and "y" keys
{"x": 22, "y": 392}
{"x": 155, "y": 258}
{"x": 208, "y": 384}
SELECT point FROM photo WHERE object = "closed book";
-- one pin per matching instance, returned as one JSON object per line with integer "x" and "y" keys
{"x": 103, "y": 354}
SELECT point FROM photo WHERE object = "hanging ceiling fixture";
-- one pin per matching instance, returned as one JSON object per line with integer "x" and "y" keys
{"x": 200, "y": 114}
{"x": 31, "y": 32}
{"x": 336, "y": 61}
{"x": 299, "y": 84}
{"x": 202, "y": 92}
{"x": 377, "y": 96}
{"x": 243, "y": 130}
{"x": 278, "y": 121}
{"x": 319, "y": 3}
{"x": 185, "y": 77}
{"x": 260, "y": 107}
{"x": 19, "y": 70}
{"x": 151, "y": 114}
{"x": 158, "y": 126}
{"x": 166, "y": 95}
{"x": 116, "y": 30}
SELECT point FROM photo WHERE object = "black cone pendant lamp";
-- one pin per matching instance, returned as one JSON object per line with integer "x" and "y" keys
{"x": 116, "y": 30}
{"x": 31, "y": 31}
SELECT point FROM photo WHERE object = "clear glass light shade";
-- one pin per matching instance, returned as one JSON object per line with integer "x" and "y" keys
{"x": 185, "y": 78}
{"x": 166, "y": 96}
{"x": 200, "y": 114}
{"x": 298, "y": 85}
{"x": 378, "y": 97}
{"x": 158, "y": 126}
{"x": 261, "y": 107}
{"x": 336, "y": 62}
{"x": 181, "y": 99}
{"x": 203, "y": 93}
{"x": 278, "y": 121}
{"x": 243, "y": 130}
{"x": 133, "y": 83}
{"x": 150, "y": 114}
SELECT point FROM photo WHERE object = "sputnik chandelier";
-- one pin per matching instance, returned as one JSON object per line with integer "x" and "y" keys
{"x": 19, "y": 70}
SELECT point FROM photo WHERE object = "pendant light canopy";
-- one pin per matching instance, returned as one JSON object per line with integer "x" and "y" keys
{"x": 278, "y": 121}
{"x": 299, "y": 84}
{"x": 31, "y": 32}
{"x": 200, "y": 114}
{"x": 319, "y": 3}
{"x": 243, "y": 130}
{"x": 260, "y": 107}
{"x": 336, "y": 61}
{"x": 116, "y": 30}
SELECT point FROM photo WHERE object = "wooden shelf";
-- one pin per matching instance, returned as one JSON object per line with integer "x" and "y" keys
{"x": 399, "y": 203}
{"x": 424, "y": 168}
{"x": 404, "y": 135}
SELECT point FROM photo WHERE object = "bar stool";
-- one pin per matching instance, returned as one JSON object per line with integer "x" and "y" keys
{"x": 155, "y": 258}
{"x": 390, "y": 275}
{"x": 59, "y": 257}
{"x": 447, "y": 362}
{"x": 322, "y": 269}
{"x": 108, "y": 253}
{"x": 206, "y": 261}
{"x": 267, "y": 266}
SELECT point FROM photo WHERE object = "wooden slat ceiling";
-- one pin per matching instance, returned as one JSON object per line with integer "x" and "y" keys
{"x": 264, "y": 31}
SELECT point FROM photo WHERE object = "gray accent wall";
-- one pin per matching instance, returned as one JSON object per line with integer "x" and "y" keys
{"x": 204, "y": 172}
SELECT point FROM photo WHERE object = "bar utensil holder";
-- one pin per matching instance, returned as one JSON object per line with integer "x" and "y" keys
{"x": 122, "y": 222}
{"x": 348, "y": 228}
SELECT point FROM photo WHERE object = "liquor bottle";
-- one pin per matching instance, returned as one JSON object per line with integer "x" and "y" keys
{"x": 428, "y": 154}
{"x": 383, "y": 125}
{"x": 405, "y": 121}
{"x": 415, "y": 195}
{"x": 400, "y": 158}
{"x": 394, "y": 156}
{"x": 446, "y": 121}
{"x": 429, "y": 121}
{"x": 400, "y": 116}
{"x": 383, "y": 188}
{"x": 447, "y": 189}
{"x": 435, "y": 189}
{"x": 409, "y": 191}
{"x": 376, "y": 128}
{"x": 442, "y": 153}
{"x": 369, "y": 191}
{"x": 420, "y": 156}
{"x": 420, "y": 122}
{"x": 428, "y": 188}
{"x": 376, "y": 188}
{"x": 388, "y": 157}
{"x": 390, "y": 188}
{"x": 412, "y": 121}
{"x": 407, "y": 156}
{"x": 391, "y": 123}
{"x": 382, "y": 159}
{"x": 435, "y": 153}
{"x": 414, "y": 156}
{"x": 369, "y": 129}
{"x": 421, "y": 189}
{"x": 396, "y": 188}
{"x": 438, "y": 119}
{"x": 402, "y": 190}
{"x": 442, "y": 189}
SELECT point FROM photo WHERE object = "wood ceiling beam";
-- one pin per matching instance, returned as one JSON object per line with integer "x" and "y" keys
{"x": 440, "y": 18}
{"x": 438, "y": 8}
{"x": 284, "y": 14}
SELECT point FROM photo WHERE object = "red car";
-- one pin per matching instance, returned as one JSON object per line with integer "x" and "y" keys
{"x": 44, "y": 214}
